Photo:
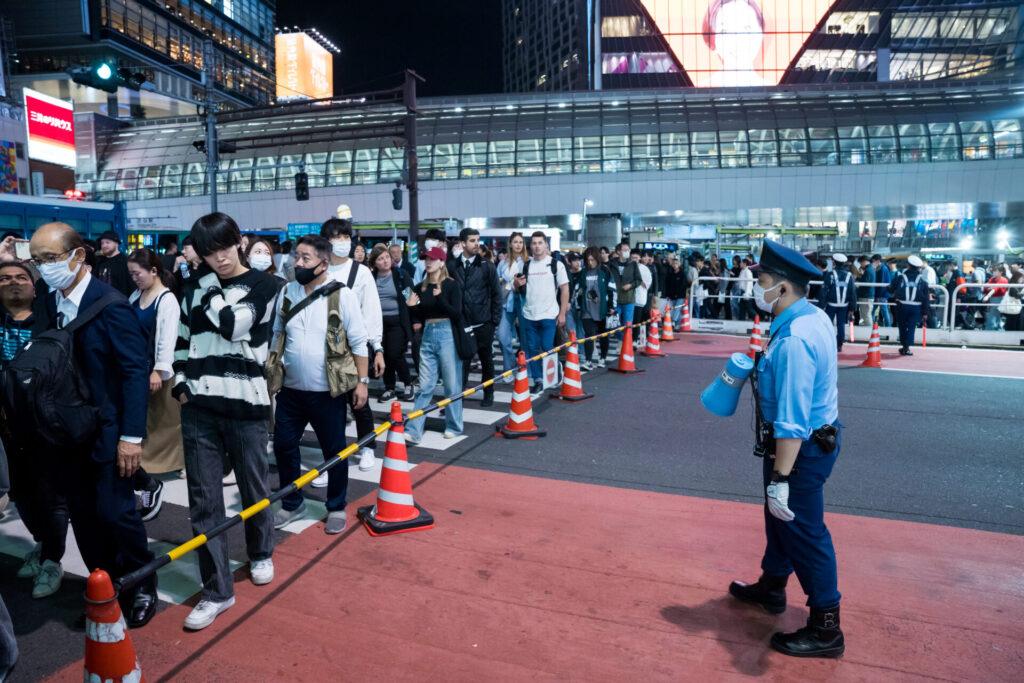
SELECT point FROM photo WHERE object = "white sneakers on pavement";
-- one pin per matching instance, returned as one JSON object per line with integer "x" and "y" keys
{"x": 261, "y": 571}
{"x": 205, "y": 612}
{"x": 366, "y": 460}
{"x": 47, "y": 580}
{"x": 320, "y": 482}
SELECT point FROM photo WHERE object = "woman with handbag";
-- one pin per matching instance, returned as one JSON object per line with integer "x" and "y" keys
{"x": 436, "y": 305}
{"x": 513, "y": 302}
{"x": 994, "y": 298}
{"x": 597, "y": 298}
{"x": 397, "y": 324}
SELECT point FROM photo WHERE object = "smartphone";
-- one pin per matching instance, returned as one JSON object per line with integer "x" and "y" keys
{"x": 21, "y": 250}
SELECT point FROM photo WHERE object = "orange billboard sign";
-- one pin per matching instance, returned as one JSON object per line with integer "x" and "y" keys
{"x": 304, "y": 69}
{"x": 736, "y": 42}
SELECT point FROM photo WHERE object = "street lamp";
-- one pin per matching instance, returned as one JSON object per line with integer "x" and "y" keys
{"x": 583, "y": 223}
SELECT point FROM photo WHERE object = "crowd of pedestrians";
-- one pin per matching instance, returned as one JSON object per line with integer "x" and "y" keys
{"x": 209, "y": 362}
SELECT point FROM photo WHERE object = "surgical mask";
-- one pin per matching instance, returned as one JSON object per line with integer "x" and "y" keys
{"x": 260, "y": 261}
{"x": 342, "y": 249}
{"x": 430, "y": 244}
{"x": 457, "y": 252}
{"x": 759, "y": 293}
{"x": 305, "y": 275}
{"x": 58, "y": 275}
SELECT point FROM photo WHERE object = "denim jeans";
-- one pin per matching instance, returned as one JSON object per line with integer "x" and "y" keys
{"x": 625, "y": 312}
{"x": 208, "y": 440}
{"x": 539, "y": 335}
{"x": 296, "y": 409}
{"x": 506, "y": 333}
{"x": 438, "y": 357}
{"x": 8, "y": 643}
{"x": 676, "y": 313}
{"x": 882, "y": 314}
{"x": 993, "y": 317}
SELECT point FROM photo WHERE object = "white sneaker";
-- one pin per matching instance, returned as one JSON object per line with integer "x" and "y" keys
{"x": 230, "y": 480}
{"x": 205, "y": 612}
{"x": 47, "y": 580}
{"x": 321, "y": 481}
{"x": 31, "y": 566}
{"x": 261, "y": 571}
{"x": 412, "y": 441}
{"x": 366, "y": 460}
{"x": 449, "y": 434}
{"x": 585, "y": 366}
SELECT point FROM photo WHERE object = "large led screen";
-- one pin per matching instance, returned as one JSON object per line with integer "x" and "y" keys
{"x": 304, "y": 69}
{"x": 724, "y": 43}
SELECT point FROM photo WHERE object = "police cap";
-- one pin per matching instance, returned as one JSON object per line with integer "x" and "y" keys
{"x": 787, "y": 263}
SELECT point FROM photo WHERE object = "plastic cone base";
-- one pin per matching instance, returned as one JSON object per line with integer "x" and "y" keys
{"x": 627, "y": 372}
{"x": 529, "y": 436}
{"x": 653, "y": 354}
{"x": 572, "y": 399}
{"x": 423, "y": 521}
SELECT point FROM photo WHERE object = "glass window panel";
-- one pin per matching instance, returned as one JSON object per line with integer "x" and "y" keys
{"x": 170, "y": 181}
{"x": 339, "y": 167}
{"x": 424, "y": 161}
{"x": 763, "y": 147}
{"x": 446, "y": 161}
{"x": 222, "y": 176}
{"x": 392, "y": 160}
{"x": 473, "y": 160}
{"x": 733, "y": 148}
{"x": 944, "y": 143}
{"x": 793, "y": 146}
{"x": 883, "y": 147}
{"x": 587, "y": 154}
{"x": 149, "y": 182}
{"x": 529, "y": 157}
{"x": 1007, "y": 136}
{"x": 823, "y": 147}
{"x": 195, "y": 179}
{"x": 501, "y": 157}
{"x": 364, "y": 170}
{"x": 645, "y": 152}
{"x": 675, "y": 150}
{"x": 316, "y": 168}
{"x": 266, "y": 174}
{"x": 976, "y": 139}
{"x": 558, "y": 155}
{"x": 853, "y": 145}
{"x": 240, "y": 176}
{"x": 616, "y": 147}
{"x": 705, "y": 149}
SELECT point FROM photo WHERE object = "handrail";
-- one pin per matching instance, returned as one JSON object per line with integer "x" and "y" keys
{"x": 978, "y": 285}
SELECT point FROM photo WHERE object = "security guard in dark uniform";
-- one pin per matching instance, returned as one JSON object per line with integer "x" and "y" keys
{"x": 838, "y": 296}
{"x": 913, "y": 299}
{"x": 796, "y": 400}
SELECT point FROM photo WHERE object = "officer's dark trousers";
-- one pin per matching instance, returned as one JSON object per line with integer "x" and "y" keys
{"x": 838, "y": 316}
{"x": 909, "y": 317}
{"x": 804, "y": 545}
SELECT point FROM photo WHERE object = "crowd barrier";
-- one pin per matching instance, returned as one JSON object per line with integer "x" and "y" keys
{"x": 133, "y": 578}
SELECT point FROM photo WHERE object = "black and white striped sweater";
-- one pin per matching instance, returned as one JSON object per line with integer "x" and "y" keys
{"x": 223, "y": 337}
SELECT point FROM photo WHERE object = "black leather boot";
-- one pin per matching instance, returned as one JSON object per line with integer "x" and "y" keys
{"x": 769, "y": 593}
{"x": 820, "y": 638}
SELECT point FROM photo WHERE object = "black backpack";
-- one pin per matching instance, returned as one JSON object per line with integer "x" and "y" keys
{"x": 43, "y": 391}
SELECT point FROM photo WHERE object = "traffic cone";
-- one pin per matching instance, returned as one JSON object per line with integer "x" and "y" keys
{"x": 109, "y": 654}
{"x": 755, "y": 338}
{"x": 626, "y": 364}
{"x": 666, "y": 328}
{"x": 874, "y": 359}
{"x": 395, "y": 511}
{"x": 653, "y": 348}
{"x": 686, "y": 317}
{"x": 572, "y": 382}
{"x": 520, "y": 413}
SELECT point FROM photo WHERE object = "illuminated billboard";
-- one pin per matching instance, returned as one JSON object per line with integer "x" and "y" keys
{"x": 304, "y": 68}
{"x": 724, "y": 43}
{"x": 51, "y": 129}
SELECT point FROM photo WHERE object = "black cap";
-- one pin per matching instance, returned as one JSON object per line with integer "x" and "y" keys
{"x": 787, "y": 263}
{"x": 110, "y": 235}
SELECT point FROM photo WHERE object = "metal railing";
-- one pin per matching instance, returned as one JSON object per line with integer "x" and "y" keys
{"x": 979, "y": 303}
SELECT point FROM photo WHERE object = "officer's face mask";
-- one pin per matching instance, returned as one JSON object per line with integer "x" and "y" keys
{"x": 759, "y": 293}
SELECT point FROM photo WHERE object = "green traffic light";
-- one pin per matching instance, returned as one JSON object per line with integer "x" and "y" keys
{"x": 104, "y": 71}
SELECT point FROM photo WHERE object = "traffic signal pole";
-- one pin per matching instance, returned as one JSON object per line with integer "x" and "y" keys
{"x": 412, "y": 182}
{"x": 209, "y": 85}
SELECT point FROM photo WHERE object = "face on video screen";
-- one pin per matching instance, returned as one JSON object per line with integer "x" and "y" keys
{"x": 723, "y": 43}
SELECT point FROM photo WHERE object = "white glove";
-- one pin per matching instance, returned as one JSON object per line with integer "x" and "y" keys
{"x": 778, "y": 501}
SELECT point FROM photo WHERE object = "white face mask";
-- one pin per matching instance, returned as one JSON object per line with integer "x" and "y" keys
{"x": 759, "y": 293}
{"x": 342, "y": 249}
{"x": 58, "y": 275}
{"x": 260, "y": 261}
{"x": 429, "y": 244}
{"x": 457, "y": 252}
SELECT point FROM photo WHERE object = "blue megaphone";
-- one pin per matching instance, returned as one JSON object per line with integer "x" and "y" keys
{"x": 724, "y": 393}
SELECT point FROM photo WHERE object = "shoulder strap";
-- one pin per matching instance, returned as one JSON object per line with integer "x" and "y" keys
{"x": 93, "y": 311}
{"x": 325, "y": 290}
{"x": 352, "y": 272}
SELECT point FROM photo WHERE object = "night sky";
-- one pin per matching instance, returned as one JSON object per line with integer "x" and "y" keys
{"x": 454, "y": 44}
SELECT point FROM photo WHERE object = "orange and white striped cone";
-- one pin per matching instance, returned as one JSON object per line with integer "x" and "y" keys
{"x": 874, "y": 359}
{"x": 395, "y": 511}
{"x": 686, "y": 317}
{"x": 520, "y": 413}
{"x": 572, "y": 382}
{"x": 755, "y": 338}
{"x": 109, "y": 654}
{"x": 627, "y": 366}
{"x": 653, "y": 348}
{"x": 666, "y": 328}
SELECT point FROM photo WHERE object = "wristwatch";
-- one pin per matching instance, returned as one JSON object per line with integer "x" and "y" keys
{"x": 779, "y": 477}
{"x": 364, "y": 380}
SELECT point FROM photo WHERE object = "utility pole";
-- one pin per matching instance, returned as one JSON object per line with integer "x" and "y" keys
{"x": 412, "y": 182}
{"x": 209, "y": 86}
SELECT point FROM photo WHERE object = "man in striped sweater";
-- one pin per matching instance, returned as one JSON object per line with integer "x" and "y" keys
{"x": 218, "y": 364}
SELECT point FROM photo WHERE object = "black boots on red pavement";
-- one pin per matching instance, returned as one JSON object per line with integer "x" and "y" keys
{"x": 821, "y": 636}
{"x": 769, "y": 593}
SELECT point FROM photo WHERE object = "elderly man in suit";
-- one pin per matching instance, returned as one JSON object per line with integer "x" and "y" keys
{"x": 111, "y": 354}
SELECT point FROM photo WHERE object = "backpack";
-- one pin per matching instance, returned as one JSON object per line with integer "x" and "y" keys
{"x": 43, "y": 391}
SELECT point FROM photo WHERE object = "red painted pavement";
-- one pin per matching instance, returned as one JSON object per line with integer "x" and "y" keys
{"x": 983, "y": 362}
{"x": 527, "y": 579}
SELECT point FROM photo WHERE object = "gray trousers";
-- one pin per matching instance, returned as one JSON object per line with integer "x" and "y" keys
{"x": 208, "y": 439}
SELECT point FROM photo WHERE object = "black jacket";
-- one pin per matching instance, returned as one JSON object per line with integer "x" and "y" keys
{"x": 114, "y": 272}
{"x": 481, "y": 294}
{"x": 675, "y": 284}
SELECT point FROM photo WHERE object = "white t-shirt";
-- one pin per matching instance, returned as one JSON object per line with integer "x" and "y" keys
{"x": 542, "y": 301}
{"x": 641, "y": 291}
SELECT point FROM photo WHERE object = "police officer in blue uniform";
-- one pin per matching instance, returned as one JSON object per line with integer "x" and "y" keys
{"x": 838, "y": 296}
{"x": 913, "y": 300}
{"x": 796, "y": 401}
